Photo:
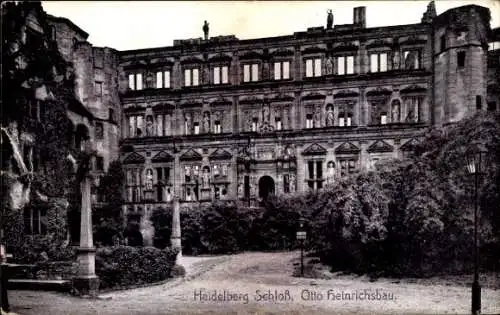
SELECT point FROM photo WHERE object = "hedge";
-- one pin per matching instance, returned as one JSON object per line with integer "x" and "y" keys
{"x": 121, "y": 266}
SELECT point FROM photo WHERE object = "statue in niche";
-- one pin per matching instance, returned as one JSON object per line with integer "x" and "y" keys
{"x": 188, "y": 122}
{"x": 396, "y": 59}
{"x": 330, "y": 172}
{"x": 149, "y": 179}
{"x": 205, "y": 178}
{"x": 329, "y": 65}
{"x": 149, "y": 126}
{"x": 329, "y": 19}
{"x": 329, "y": 115}
{"x": 395, "y": 111}
{"x": 206, "y": 122}
{"x": 206, "y": 75}
{"x": 293, "y": 185}
{"x": 289, "y": 151}
{"x": 317, "y": 117}
{"x": 286, "y": 118}
{"x": 240, "y": 190}
{"x": 265, "y": 113}
{"x": 169, "y": 195}
{"x": 168, "y": 119}
{"x": 206, "y": 29}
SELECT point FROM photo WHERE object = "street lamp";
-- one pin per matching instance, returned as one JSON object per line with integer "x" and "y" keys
{"x": 476, "y": 157}
{"x": 301, "y": 236}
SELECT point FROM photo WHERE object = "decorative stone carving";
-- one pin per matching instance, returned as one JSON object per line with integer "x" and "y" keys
{"x": 206, "y": 29}
{"x": 293, "y": 184}
{"x": 205, "y": 177}
{"x": 149, "y": 126}
{"x": 329, "y": 65}
{"x": 329, "y": 116}
{"x": 206, "y": 122}
{"x": 317, "y": 117}
{"x": 188, "y": 122}
{"x": 329, "y": 19}
{"x": 168, "y": 125}
{"x": 149, "y": 179}
{"x": 330, "y": 172}
{"x": 395, "y": 111}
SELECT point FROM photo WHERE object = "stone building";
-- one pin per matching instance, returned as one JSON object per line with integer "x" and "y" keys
{"x": 221, "y": 118}
{"x": 218, "y": 118}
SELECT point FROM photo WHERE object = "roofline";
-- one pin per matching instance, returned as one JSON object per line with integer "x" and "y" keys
{"x": 70, "y": 23}
{"x": 274, "y": 38}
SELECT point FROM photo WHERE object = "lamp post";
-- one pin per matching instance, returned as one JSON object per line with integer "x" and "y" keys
{"x": 301, "y": 236}
{"x": 476, "y": 162}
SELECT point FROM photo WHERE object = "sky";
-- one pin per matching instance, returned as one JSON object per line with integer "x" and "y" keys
{"x": 125, "y": 25}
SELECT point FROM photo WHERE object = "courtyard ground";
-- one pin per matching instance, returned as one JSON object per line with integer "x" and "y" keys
{"x": 254, "y": 280}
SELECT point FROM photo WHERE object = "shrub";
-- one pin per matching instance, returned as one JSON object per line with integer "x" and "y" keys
{"x": 36, "y": 248}
{"x": 124, "y": 265}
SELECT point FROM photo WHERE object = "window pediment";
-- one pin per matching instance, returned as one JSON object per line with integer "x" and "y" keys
{"x": 409, "y": 145}
{"x": 346, "y": 94}
{"x": 347, "y": 148}
{"x": 413, "y": 89}
{"x": 192, "y": 60}
{"x": 344, "y": 47}
{"x": 220, "y": 154}
{"x": 252, "y": 54}
{"x": 221, "y": 57}
{"x": 282, "y": 52}
{"x": 314, "y": 149}
{"x": 134, "y": 158}
{"x": 315, "y": 49}
{"x": 191, "y": 103}
{"x": 220, "y": 101}
{"x": 282, "y": 97}
{"x": 314, "y": 96}
{"x": 380, "y": 146}
{"x": 379, "y": 43}
{"x": 162, "y": 157}
{"x": 379, "y": 92}
{"x": 191, "y": 155}
{"x": 412, "y": 41}
{"x": 165, "y": 107}
{"x": 251, "y": 99}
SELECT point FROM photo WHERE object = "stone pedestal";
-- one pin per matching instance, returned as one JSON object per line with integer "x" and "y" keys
{"x": 86, "y": 281}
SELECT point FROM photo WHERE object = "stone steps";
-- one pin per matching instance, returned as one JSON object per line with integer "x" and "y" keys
{"x": 40, "y": 285}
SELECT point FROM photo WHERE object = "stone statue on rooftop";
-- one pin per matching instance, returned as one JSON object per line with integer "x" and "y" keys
{"x": 205, "y": 30}
{"x": 329, "y": 19}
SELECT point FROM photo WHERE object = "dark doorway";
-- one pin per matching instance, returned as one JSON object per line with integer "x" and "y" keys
{"x": 266, "y": 187}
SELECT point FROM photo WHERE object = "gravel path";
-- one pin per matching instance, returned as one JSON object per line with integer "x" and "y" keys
{"x": 261, "y": 283}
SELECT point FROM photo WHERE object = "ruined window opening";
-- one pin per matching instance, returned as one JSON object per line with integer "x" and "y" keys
{"x": 461, "y": 59}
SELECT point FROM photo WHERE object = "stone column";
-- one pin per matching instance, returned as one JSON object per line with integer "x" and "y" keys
{"x": 175, "y": 239}
{"x": 86, "y": 282}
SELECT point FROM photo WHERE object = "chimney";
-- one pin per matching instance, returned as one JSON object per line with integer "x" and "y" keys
{"x": 360, "y": 16}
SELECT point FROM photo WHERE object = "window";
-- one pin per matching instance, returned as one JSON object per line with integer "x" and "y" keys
{"x": 250, "y": 72}
{"x": 278, "y": 124}
{"x": 347, "y": 166}
{"x": 191, "y": 77}
{"x": 309, "y": 121}
{"x": 412, "y": 59}
{"x": 99, "y": 131}
{"x": 254, "y": 124}
{"x": 383, "y": 118}
{"x": 35, "y": 220}
{"x": 461, "y": 59}
{"x": 99, "y": 163}
{"x": 134, "y": 184}
{"x": 98, "y": 89}
{"x": 163, "y": 79}
{"x": 345, "y": 119}
{"x": 412, "y": 109}
{"x": 221, "y": 75}
{"x": 216, "y": 171}
{"x": 246, "y": 187}
{"x": 217, "y": 127}
{"x": 98, "y": 58}
{"x": 282, "y": 70}
{"x": 315, "y": 174}
{"x": 135, "y": 81}
{"x": 111, "y": 115}
{"x": 196, "y": 128}
{"x": 443, "y": 42}
{"x": 492, "y": 106}
{"x": 135, "y": 126}
{"x": 162, "y": 179}
{"x": 286, "y": 183}
{"x": 345, "y": 65}
{"x": 479, "y": 102}
{"x": 378, "y": 62}
{"x": 313, "y": 67}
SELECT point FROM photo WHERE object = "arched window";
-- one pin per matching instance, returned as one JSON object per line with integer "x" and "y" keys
{"x": 81, "y": 137}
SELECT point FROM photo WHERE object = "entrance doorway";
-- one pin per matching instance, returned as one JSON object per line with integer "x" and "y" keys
{"x": 266, "y": 187}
